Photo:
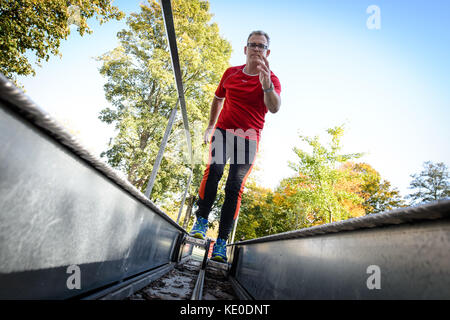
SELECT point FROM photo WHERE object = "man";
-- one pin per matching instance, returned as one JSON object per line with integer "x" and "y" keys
{"x": 246, "y": 93}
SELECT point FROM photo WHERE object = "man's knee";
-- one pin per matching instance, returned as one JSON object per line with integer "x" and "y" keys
{"x": 233, "y": 187}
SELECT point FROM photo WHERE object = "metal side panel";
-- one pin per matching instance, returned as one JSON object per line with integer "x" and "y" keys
{"x": 57, "y": 210}
{"x": 404, "y": 261}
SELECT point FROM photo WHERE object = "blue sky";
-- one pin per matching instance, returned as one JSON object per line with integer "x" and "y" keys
{"x": 390, "y": 87}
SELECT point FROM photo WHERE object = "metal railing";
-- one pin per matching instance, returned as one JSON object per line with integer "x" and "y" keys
{"x": 68, "y": 210}
{"x": 171, "y": 37}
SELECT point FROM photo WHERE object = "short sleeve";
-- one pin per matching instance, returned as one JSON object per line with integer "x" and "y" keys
{"x": 276, "y": 83}
{"x": 220, "y": 91}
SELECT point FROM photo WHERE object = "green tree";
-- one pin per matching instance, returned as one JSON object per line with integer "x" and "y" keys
{"x": 326, "y": 187}
{"x": 430, "y": 184}
{"x": 142, "y": 91}
{"x": 39, "y": 27}
{"x": 317, "y": 194}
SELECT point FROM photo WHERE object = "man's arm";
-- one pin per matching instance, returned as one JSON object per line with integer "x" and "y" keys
{"x": 272, "y": 100}
{"x": 216, "y": 106}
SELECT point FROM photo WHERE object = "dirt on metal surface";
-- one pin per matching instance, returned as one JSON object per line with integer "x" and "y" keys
{"x": 175, "y": 285}
{"x": 178, "y": 284}
{"x": 217, "y": 286}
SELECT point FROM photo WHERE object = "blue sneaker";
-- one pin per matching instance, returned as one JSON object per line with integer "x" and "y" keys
{"x": 199, "y": 228}
{"x": 219, "y": 253}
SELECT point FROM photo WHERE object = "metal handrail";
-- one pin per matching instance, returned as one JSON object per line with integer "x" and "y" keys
{"x": 162, "y": 147}
{"x": 171, "y": 37}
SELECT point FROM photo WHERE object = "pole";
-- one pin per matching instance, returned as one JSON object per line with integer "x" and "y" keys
{"x": 234, "y": 229}
{"x": 152, "y": 179}
{"x": 184, "y": 197}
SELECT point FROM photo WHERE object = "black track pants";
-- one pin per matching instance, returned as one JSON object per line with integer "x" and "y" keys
{"x": 241, "y": 153}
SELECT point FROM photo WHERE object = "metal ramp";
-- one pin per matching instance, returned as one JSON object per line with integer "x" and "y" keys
{"x": 62, "y": 208}
{"x": 72, "y": 228}
{"x": 402, "y": 254}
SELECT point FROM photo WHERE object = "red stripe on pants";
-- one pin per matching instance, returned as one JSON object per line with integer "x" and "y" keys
{"x": 201, "y": 191}
{"x": 238, "y": 205}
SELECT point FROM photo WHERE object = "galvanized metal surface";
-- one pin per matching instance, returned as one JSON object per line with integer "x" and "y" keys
{"x": 195, "y": 241}
{"x": 14, "y": 100}
{"x": 431, "y": 211}
{"x": 126, "y": 288}
{"x": 239, "y": 290}
{"x": 410, "y": 260}
{"x": 60, "y": 207}
{"x": 197, "y": 293}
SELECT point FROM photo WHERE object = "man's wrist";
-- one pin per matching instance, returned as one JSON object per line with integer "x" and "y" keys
{"x": 270, "y": 89}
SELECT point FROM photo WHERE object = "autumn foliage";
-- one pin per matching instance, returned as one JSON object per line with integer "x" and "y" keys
{"x": 327, "y": 186}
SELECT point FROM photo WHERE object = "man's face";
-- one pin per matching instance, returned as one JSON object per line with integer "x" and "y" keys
{"x": 254, "y": 55}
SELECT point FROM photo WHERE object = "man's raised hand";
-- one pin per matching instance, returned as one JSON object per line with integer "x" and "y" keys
{"x": 264, "y": 72}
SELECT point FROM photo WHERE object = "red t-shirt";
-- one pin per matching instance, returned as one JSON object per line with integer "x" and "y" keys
{"x": 244, "y": 106}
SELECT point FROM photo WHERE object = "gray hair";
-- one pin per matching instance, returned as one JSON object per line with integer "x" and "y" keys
{"x": 260, "y": 33}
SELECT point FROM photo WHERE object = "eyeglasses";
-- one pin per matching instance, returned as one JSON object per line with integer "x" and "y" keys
{"x": 257, "y": 45}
